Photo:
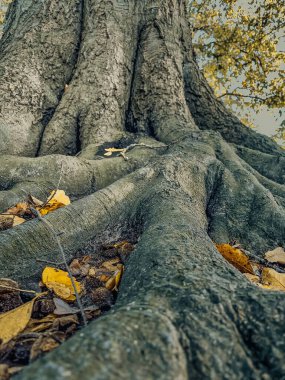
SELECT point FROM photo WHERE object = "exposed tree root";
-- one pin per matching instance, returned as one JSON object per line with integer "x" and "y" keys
{"x": 20, "y": 176}
{"x": 210, "y": 319}
{"x": 182, "y": 311}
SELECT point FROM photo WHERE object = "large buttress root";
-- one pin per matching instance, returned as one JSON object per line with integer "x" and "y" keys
{"x": 37, "y": 55}
{"x": 20, "y": 176}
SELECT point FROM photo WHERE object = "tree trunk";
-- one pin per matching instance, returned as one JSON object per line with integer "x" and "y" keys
{"x": 83, "y": 75}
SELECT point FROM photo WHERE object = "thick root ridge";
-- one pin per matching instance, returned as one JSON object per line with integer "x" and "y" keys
{"x": 181, "y": 306}
{"x": 78, "y": 176}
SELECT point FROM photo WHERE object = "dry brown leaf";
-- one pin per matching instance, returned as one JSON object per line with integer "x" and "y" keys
{"x": 272, "y": 279}
{"x": 236, "y": 257}
{"x": 18, "y": 220}
{"x": 43, "y": 344}
{"x": 79, "y": 267}
{"x": 92, "y": 272}
{"x": 4, "y": 372}
{"x": 19, "y": 209}
{"x": 15, "y": 321}
{"x": 39, "y": 325}
{"x": 57, "y": 199}
{"x": 111, "y": 265}
{"x": 62, "y": 308}
{"x": 60, "y": 282}
{"x": 34, "y": 201}
{"x": 276, "y": 256}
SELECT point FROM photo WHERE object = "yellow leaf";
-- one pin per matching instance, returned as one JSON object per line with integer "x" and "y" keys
{"x": 60, "y": 282}
{"x": 236, "y": 257}
{"x": 272, "y": 279}
{"x": 114, "y": 282}
{"x": 15, "y": 321}
{"x": 252, "y": 277}
{"x": 112, "y": 150}
{"x": 276, "y": 256}
{"x": 57, "y": 199}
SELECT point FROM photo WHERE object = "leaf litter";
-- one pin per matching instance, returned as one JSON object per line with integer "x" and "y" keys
{"x": 23, "y": 211}
{"x": 33, "y": 324}
{"x": 267, "y": 272}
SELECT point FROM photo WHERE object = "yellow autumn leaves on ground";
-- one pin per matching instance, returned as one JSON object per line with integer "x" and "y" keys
{"x": 49, "y": 318}
{"x": 23, "y": 211}
{"x": 261, "y": 274}
{"x": 60, "y": 283}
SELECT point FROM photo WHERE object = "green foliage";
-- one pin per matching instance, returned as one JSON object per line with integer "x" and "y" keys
{"x": 238, "y": 46}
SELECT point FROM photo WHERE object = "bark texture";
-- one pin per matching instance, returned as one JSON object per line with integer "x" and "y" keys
{"x": 196, "y": 176}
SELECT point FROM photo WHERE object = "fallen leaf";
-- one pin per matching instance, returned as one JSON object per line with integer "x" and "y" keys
{"x": 57, "y": 199}
{"x": 43, "y": 344}
{"x": 62, "y": 308}
{"x": 252, "y": 277}
{"x": 4, "y": 372}
{"x": 276, "y": 256}
{"x": 79, "y": 267}
{"x": 111, "y": 265}
{"x": 236, "y": 257}
{"x": 60, "y": 282}
{"x": 18, "y": 220}
{"x": 110, "y": 151}
{"x": 272, "y": 279}
{"x": 114, "y": 281}
{"x": 66, "y": 323}
{"x": 92, "y": 272}
{"x": 34, "y": 201}
{"x": 39, "y": 325}
{"x": 20, "y": 209}
{"x": 15, "y": 321}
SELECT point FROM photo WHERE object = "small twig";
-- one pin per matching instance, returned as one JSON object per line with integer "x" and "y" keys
{"x": 18, "y": 290}
{"x": 8, "y": 214}
{"x": 50, "y": 262}
{"x": 132, "y": 146}
{"x": 51, "y": 229}
{"x": 265, "y": 262}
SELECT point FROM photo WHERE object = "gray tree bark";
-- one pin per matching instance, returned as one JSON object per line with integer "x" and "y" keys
{"x": 182, "y": 311}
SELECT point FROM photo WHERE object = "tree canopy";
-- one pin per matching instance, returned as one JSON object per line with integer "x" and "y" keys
{"x": 239, "y": 48}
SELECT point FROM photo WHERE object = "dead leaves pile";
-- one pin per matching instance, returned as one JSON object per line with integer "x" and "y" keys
{"x": 23, "y": 211}
{"x": 267, "y": 273}
{"x": 32, "y": 324}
